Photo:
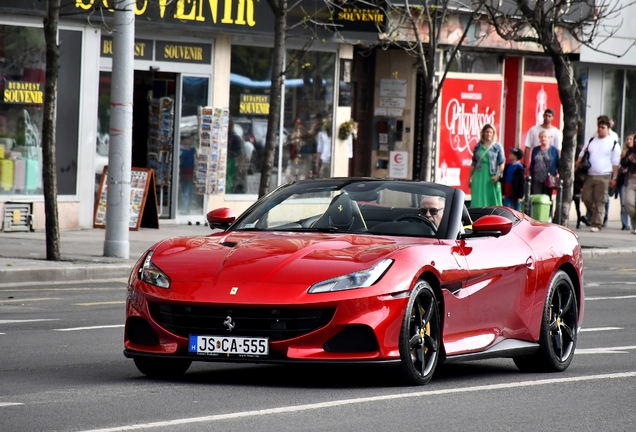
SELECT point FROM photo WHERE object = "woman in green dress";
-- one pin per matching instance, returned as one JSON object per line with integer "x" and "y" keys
{"x": 486, "y": 170}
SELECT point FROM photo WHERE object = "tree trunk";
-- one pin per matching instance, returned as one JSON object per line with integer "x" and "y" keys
{"x": 279, "y": 8}
{"x": 568, "y": 93}
{"x": 49, "y": 166}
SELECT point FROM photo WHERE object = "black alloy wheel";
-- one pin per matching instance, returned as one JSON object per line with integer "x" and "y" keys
{"x": 162, "y": 368}
{"x": 420, "y": 336}
{"x": 557, "y": 340}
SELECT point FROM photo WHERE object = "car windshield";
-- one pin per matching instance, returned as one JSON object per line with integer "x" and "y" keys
{"x": 361, "y": 206}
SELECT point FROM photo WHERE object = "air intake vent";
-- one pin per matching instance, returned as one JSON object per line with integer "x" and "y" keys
{"x": 17, "y": 217}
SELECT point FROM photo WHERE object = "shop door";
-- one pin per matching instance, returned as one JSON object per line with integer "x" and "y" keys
{"x": 194, "y": 93}
{"x": 362, "y": 110}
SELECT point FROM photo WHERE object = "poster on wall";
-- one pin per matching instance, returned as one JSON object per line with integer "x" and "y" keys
{"x": 466, "y": 106}
{"x": 537, "y": 97}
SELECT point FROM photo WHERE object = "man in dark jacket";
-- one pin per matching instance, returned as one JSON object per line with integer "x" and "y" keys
{"x": 513, "y": 182}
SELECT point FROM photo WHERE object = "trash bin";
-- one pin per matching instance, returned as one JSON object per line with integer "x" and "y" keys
{"x": 541, "y": 205}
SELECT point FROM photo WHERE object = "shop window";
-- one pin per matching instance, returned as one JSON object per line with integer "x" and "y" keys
{"x": 103, "y": 127}
{"x": 22, "y": 50}
{"x": 538, "y": 66}
{"x": 613, "y": 96}
{"x": 307, "y": 141}
{"x": 630, "y": 103}
{"x": 308, "y": 121}
{"x": 479, "y": 63}
{"x": 250, "y": 82}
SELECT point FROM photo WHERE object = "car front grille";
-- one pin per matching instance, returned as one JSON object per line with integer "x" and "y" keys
{"x": 274, "y": 323}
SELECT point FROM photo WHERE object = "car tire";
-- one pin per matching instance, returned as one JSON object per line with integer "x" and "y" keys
{"x": 557, "y": 340}
{"x": 420, "y": 336}
{"x": 162, "y": 368}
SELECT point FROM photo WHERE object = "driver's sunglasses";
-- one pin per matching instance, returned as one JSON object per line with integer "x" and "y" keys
{"x": 432, "y": 211}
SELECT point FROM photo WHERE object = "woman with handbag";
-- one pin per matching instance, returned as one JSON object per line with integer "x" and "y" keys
{"x": 544, "y": 166}
{"x": 621, "y": 181}
{"x": 486, "y": 170}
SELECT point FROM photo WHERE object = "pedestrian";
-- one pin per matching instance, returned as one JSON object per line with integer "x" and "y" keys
{"x": 532, "y": 138}
{"x": 604, "y": 159}
{"x": 486, "y": 170}
{"x": 544, "y": 166}
{"x": 615, "y": 194}
{"x": 623, "y": 180}
{"x": 514, "y": 180}
{"x": 628, "y": 164}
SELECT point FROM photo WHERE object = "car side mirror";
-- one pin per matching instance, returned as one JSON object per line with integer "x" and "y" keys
{"x": 489, "y": 226}
{"x": 221, "y": 218}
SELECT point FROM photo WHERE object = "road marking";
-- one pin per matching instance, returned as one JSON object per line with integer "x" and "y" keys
{"x": 89, "y": 328}
{"x": 101, "y": 303}
{"x": 594, "y": 329}
{"x": 608, "y": 350}
{"x": 21, "y": 284}
{"x": 64, "y": 289}
{"x": 610, "y": 298}
{"x": 598, "y": 284}
{"x": 6, "y": 404}
{"x": 344, "y": 402}
{"x": 26, "y": 321}
{"x": 28, "y": 300}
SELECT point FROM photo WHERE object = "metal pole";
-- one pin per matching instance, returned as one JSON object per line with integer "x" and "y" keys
{"x": 120, "y": 149}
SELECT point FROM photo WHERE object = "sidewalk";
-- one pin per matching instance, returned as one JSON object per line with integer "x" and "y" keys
{"x": 22, "y": 255}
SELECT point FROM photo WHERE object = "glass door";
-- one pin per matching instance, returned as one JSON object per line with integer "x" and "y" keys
{"x": 194, "y": 93}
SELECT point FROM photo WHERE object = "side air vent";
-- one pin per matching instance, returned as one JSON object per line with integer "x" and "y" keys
{"x": 17, "y": 217}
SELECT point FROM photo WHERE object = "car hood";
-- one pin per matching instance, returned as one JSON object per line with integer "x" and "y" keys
{"x": 272, "y": 257}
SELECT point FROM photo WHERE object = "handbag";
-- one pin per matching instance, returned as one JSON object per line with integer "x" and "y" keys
{"x": 585, "y": 164}
{"x": 550, "y": 181}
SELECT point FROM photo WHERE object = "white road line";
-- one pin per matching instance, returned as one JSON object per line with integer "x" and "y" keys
{"x": 6, "y": 404}
{"x": 89, "y": 328}
{"x": 101, "y": 303}
{"x": 21, "y": 284}
{"x": 28, "y": 300}
{"x": 598, "y": 284}
{"x": 595, "y": 329}
{"x": 26, "y": 321}
{"x": 343, "y": 402}
{"x": 608, "y": 350}
{"x": 610, "y": 298}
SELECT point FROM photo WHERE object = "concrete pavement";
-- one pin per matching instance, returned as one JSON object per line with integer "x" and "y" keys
{"x": 23, "y": 255}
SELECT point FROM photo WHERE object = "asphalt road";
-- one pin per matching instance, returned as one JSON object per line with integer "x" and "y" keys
{"x": 67, "y": 372}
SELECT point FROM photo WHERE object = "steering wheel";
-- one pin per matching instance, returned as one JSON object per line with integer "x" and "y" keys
{"x": 418, "y": 218}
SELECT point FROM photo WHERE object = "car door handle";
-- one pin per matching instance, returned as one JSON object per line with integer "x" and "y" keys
{"x": 530, "y": 263}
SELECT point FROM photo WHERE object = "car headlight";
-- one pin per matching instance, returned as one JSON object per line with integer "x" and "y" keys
{"x": 360, "y": 279}
{"x": 151, "y": 274}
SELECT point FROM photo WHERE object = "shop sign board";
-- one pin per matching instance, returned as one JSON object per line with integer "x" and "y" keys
{"x": 143, "y": 48}
{"x": 25, "y": 93}
{"x": 537, "y": 97}
{"x": 398, "y": 164}
{"x": 466, "y": 106}
{"x": 254, "y": 104}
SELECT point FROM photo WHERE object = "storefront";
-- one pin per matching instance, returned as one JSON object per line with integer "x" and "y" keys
{"x": 187, "y": 56}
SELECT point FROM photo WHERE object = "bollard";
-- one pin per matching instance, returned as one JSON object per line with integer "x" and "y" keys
{"x": 559, "y": 200}
{"x": 527, "y": 206}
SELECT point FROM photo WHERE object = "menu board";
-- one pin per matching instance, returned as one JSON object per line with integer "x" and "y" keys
{"x": 143, "y": 200}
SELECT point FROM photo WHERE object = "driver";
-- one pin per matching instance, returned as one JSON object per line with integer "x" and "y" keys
{"x": 432, "y": 208}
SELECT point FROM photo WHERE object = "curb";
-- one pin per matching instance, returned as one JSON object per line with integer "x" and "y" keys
{"x": 594, "y": 252}
{"x": 65, "y": 274}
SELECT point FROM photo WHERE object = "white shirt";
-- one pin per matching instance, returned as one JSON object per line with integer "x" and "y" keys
{"x": 324, "y": 146}
{"x": 602, "y": 157}
{"x": 532, "y": 139}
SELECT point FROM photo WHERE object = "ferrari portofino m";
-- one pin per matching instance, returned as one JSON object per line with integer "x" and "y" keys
{"x": 357, "y": 270}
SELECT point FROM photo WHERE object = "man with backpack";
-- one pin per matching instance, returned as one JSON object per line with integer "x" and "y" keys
{"x": 604, "y": 157}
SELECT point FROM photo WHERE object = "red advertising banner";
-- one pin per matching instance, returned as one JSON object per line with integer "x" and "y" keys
{"x": 466, "y": 106}
{"x": 537, "y": 97}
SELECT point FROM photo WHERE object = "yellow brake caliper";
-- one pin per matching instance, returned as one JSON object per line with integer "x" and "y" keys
{"x": 425, "y": 331}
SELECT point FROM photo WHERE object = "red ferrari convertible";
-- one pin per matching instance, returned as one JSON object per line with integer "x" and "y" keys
{"x": 359, "y": 271}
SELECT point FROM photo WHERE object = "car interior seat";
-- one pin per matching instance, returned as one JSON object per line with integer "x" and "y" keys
{"x": 343, "y": 213}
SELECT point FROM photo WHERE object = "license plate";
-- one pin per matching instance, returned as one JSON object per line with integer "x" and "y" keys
{"x": 229, "y": 346}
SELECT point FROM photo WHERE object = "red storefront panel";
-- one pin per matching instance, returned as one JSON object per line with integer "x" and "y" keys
{"x": 537, "y": 97}
{"x": 466, "y": 106}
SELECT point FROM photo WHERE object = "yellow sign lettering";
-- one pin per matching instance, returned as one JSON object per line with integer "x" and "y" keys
{"x": 140, "y": 11}
{"x": 140, "y": 49}
{"x": 183, "y": 52}
{"x": 107, "y": 48}
{"x": 84, "y": 4}
{"x": 23, "y": 93}
{"x": 162, "y": 7}
{"x": 181, "y": 14}
{"x": 214, "y": 6}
